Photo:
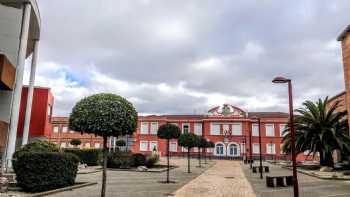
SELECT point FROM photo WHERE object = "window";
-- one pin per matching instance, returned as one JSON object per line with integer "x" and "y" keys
{"x": 184, "y": 149}
{"x": 270, "y": 149}
{"x": 97, "y": 145}
{"x": 282, "y": 128}
{"x": 173, "y": 147}
{"x": 237, "y": 129}
{"x": 215, "y": 129}
{"x": 63, "y": 144}
{"x": 185, "y": 128}
{"x": 198, "y": 128}
{"x": 49, "y": 112}
{"x": 154, "y": 127}
{"x": 154, "y": 146}
{"x": 143, "y": 146}
{"x": 256, "y": 148}
{"x": 195, "y": 149}
{"x": 144, "y": 128}
{"x": 270, "y": 131}
{"x": 226, "y": 128}
{"x": 55, "y": 129}
{"x": 255, "y": 130}
{"x": 219, "y": 149}
{"x": 64, "y": 129}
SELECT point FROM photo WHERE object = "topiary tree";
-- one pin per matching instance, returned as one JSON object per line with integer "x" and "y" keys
{"x": 104, "y": 115}
{"x": 168, "y": 132}
{"x": 210, "y": 144}
{"x": 201, "y": 143}
{"x": 187, "y": 140}
{"x": 120, "y": 143}
{"x": 75, "y": 142}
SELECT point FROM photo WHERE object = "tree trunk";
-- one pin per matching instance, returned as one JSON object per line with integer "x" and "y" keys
{"x": 104, "y": 174}
{"x": 326, "y": 159}
{"x": 205, "y": 155}
{"x": 188, "y": 160}
{"x": 199, "y": 157}
{"x": 167, "y": 173}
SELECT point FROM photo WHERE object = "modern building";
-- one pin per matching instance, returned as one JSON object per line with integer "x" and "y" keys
{"x": 229, "y": 127}
{"x": 19, "y": 38}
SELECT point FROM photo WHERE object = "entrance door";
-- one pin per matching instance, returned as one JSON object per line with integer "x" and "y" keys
{"x": 233, "y": 150}
{"x": 219, "y": 150}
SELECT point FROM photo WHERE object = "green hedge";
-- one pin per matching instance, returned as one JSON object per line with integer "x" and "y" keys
{"x": 90, "y": 157}
{"x": 121, "y": 159}
{"x": 40, "y": 171}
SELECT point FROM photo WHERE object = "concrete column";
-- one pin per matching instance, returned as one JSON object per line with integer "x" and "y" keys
{"x": 30, "y": 94}
{"x": 16, "y": 100}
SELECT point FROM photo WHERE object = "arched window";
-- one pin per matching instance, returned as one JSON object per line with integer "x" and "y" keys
{"x": 233, "y": 150}
{"x": 219, "y": 149}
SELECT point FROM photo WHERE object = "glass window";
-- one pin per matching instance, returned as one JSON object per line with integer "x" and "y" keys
{"x": 185, "y": 128}
{"x": 173, "y": 147}
{"x": 198, "y": 128}
{"x": 154, "y": 127}
{"x": 55, "y": 129}
{"x": 154, "y": 146}
{"x": 143, "y": 146}
{"x": 256, "y": 148}
{"x": 270, "y": 149}
{"x": 237, "y": 129}
{"x": 255, "y": 130}
{"x": 270, "y": 131}
{"x": 214, "y": 129}
{"x": 144, "y": 128}
{"x": 64, "y": 129}
{"x": 219, "y": 149}
{"x": 282, "y": 128}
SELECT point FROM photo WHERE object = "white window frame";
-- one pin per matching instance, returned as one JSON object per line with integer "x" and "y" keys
{"x": 65, "y": 129}
{"x": 198, "y": 128}
{"x": 56, "y": 129}
{"x": 173, "y": 146}
{"x": 255, "y": 129}
{"x": 268, "y": 148}
{"x": 269, "y": 133}
{"x": 144, "y": 128}
{"x": 256, "y": 148}
{"x": 183, "y": 127}
{"x": 154, "y": 128}
{"x": 236, "y": 129}
{"x": 153, "y": 144}
{"x": 215, "y": 131}
{"x": 144, "y": 143}
{"x": 282, "y": 128}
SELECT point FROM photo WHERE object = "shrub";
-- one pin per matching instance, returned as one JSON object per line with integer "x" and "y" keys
{"x": 151, "y": 160}
{"x": 138, "y": 159}
{"x": 40, "y": 171}
{"x": 119, "y": 160}
{"x": 75, "y": 142}
{"x": 120, "y": 143}
{"x": 89, "y": 157}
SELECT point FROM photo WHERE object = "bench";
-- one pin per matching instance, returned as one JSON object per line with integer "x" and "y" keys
{"x": 281, "y": 181}
{"x": 266, "y": 169}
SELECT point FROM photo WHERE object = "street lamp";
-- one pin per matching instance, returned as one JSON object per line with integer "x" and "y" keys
{"x": 280, "y": 79}
{"x": 260, "y": 152}
{"x": 250, "y": 148}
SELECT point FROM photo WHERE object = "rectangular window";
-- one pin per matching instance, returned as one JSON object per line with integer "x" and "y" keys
{"x": 270, "y": 130}
{"x": 256, "y": 149}
{"x": 185, "y": 128}
{"x": 154, "y": 127}
{"x": 64, "y": 129}
{"x": 198, "y": 128}
{"x": 97, "y": 145}
{"x": 154, "y": 146}
{"x": 173, "y": 147}
{"x": 143, "y": 146}
{"x": 237, "y": 129}
{"x": 255, "y": 130}
{"x": 270, "y": 149}
{"x": 282, "y": 129}
{"x": 144, "y": 128}
{"x": 184, "y": 149}
{"x": 55, "y": 129}
{"x": 214, "y": 129}
{"x": 49, "y": 112}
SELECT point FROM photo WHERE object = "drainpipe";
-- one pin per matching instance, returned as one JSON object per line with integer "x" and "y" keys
{"x": 18, "y": 85}
{"x": 30, "y": 94}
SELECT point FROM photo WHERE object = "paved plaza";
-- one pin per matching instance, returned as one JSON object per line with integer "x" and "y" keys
{"x": 308, "y": 186}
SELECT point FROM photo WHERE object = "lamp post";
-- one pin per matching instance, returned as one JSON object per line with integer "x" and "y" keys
{"x": 292, "y": 131}
{"x": 250, "y": 148}
{"x": 260, "y": 152}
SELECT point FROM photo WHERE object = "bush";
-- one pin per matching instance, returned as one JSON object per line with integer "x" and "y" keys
{"x": 40, "y": 171}
{"x": 89, "y": 157}
{"x": 75, "y": 142}
{"x": 138, "y": 159}
{"x": 119, "y": 160}
{"x": 151, "y": 160}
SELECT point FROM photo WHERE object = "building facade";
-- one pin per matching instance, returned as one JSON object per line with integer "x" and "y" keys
{"x": 229, "y": 127}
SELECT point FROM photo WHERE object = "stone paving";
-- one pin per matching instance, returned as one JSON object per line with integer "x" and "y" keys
{"x": 224, "y": 179}
{"x": 308, "y": 186}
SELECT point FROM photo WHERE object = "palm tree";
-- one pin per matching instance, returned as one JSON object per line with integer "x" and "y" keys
{"x": 319, "y": 128}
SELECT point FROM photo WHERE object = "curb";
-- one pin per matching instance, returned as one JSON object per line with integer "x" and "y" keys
{"x": 61, "y": 189}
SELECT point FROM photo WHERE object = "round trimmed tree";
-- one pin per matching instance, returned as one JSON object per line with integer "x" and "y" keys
{"x": 75, "y": 142}
{"x": 120, "y": 143}
{"x": 168, "y": 132}
{"x": 104, "y": 115}
{"x": 188, "y": 140}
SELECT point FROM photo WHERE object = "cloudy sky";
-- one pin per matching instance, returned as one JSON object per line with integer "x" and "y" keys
{"x": 185, "y": 56}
